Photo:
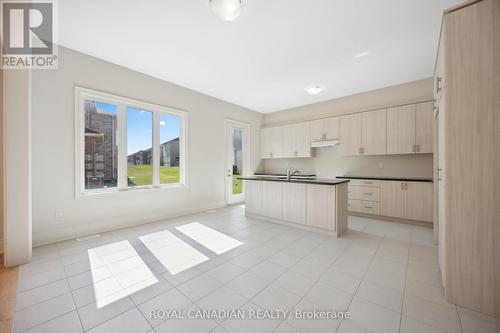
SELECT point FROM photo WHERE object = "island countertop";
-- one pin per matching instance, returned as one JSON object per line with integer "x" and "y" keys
{"x": 402, "y": 179}
{"x": 301, "y": 181}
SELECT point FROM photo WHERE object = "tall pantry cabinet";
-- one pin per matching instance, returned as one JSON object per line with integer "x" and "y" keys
{"x": 467, "y": 160}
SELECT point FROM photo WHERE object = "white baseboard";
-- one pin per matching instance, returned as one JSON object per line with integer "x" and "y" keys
{"x": 73, "y": 232}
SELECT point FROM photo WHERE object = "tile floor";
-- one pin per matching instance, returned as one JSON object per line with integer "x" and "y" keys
{"x": 386, "y": 274}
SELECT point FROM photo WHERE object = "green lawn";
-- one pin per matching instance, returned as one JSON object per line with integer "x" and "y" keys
{"x": 237, "y": 184}
{"x": 141, "y": 175}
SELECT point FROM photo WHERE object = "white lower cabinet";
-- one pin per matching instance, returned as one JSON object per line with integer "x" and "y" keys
{"x": 253, "y": 197}
{"x": 318, "y": 206}
{"x": 399, "y": 199}
{"x": 392, "y": 199}
{"x": 321, "y": 206}
{"x": 272, "y": 199}
{"x": 294, "y": 198}
{"x": 408, "y": 200}
{"x": 418, "y": 204}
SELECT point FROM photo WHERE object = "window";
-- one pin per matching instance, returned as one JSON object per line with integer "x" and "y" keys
{"x": 139, "y": 147}
{"x": 125, "y": 144}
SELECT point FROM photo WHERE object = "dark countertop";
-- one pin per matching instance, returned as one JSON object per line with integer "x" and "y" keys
{"x": 284, "y": 174}
{"x": 408, "y": 179}
{"x": 302, "y": 181}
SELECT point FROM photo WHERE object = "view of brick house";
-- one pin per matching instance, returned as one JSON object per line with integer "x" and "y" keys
{"x": 101, "y": 150}
{"x": 169, "y": 155}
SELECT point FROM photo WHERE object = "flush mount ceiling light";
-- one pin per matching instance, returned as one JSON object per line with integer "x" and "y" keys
{"x": 314, "y": 90}
{"x": 362, "y": 54}
{"x": 226, "y": 10}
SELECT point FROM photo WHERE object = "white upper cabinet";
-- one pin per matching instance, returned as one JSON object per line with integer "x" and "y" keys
{"x": 332, "y": 128}
{"x": 265, "y": 144}
{"x": 373, "y": 133}
{"x": 317, "y": 129}
{"x": 296, "y": 140}
{"x": 401, "y": 129}
{"x": 271, "y": 139}
{"x": 424, "y": 115}
{"x": 325, "y": 129}
{"x": 350, "y": 134}
{"x": 286, "y": 141}
{"x": 405, "y": 129}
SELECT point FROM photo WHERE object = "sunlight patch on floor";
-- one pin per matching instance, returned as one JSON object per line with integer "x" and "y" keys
{"x": 210, "y": 238}
{"x": 173, "y": 253}
{"x": 128, "y": 272}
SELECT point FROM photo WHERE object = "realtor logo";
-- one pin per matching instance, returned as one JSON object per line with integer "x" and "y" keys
{"x": 28, "y": 35}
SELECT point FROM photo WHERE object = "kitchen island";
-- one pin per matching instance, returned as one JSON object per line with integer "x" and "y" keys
{"x": 311, "y": 204}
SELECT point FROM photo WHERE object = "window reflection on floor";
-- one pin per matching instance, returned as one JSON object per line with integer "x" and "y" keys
{"x": 173, "y": 253}
{"x": 128, "y": 272}
{"x": 210, "y": 238}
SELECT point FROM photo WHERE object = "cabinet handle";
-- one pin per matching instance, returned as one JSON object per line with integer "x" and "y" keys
{"x": 323, "y": 136}
{"x": 406, "y": 186}
{"x": 368, "y": 207}
{"x": 368, "y": 193}
{"x": 270, "y": 154}
{"x": 418, "y": 148}
{"x": 368, "y": 183}
{"x": 295, "y": 153}
{"x": 402, "y": 186}
{"x": 438, "y": 85}
{"x": 413, "y": 148}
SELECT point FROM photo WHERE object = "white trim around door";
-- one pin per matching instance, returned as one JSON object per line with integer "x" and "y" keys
{"x": 237, "y": 160}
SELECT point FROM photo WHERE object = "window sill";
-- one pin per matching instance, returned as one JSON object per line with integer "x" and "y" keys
{"x": 128, "y": 190}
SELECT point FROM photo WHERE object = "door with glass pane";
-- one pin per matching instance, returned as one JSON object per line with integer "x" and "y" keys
{"x": 237, "y": 160}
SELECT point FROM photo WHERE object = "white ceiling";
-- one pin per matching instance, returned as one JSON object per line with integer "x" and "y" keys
{"x": 265, "y": 59}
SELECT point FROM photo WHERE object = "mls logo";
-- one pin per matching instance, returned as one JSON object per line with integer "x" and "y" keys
{"x": 28, "y": 35}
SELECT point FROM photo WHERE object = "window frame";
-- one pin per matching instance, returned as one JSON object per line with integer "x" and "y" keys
{"x": 122, "y": 103}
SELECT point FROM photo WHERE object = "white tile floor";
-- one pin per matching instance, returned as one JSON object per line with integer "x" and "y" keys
{"x": 385, "y": 273}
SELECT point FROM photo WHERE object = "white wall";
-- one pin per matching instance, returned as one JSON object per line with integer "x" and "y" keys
{"x": 1, "y": 156}
{"x": 54, "y": 161}
{"x": 328, "y": 163}
{"x": 17, "y": 213}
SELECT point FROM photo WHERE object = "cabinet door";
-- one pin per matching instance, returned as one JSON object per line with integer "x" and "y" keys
{"x": 296, "y": 140}
{"x": 302, "y": 140}
{"x": 332, "y": 128}
{"x": 294, "y": 202}
{"x": 401, "y": 129}
{"x": 317, "y": 130}
{"x": 253, "y": 197}
{"x": 373, "y": 135}
{"x": 265, "y": 145}
{"x": 288, "y": 140}
{"x": 321, "y": 206}
{"x": 350, "y": 134}
{"x": 424, "y": 115}
{"x": 418, "y": 205}
{"x": 392, "y": 199}
{"x": 272, "y": 199}
{"x": 276, "y": 141}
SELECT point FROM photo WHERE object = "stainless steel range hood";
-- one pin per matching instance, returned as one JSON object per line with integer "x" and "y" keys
{"x": 324, "y": 143}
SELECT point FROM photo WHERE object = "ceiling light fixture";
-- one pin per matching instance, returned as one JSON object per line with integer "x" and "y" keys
{"x": 362, "y": 54}
{"x": 226, "y": 10}
{"x": 314, "y": 90}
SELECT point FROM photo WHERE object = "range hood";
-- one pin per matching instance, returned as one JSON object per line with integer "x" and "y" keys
{"x": 324, "y": 143}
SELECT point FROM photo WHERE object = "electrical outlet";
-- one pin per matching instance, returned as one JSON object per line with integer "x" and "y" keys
{"x": 59, "y": 213}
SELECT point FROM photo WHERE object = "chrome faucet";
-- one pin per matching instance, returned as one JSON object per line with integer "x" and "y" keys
{"x": 290, "y": 174}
